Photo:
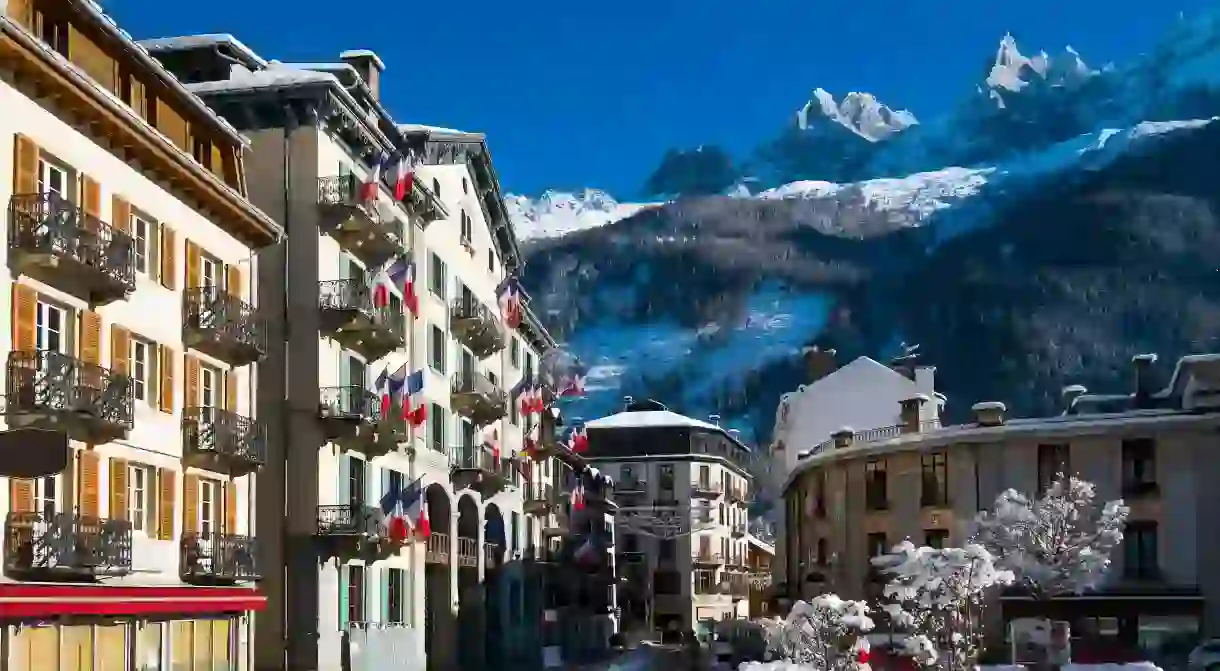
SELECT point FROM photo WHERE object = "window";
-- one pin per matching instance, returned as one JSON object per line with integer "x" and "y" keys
{"x": 143, "y": 370}
{"x": 209, "y": 507}
{"x": 141, "y": 499}
{"x": 436, "y": 276}
{"x": 51, "y": 328}
{"x": 467, "y": 228}
{"x": 209, "y": 391}
{"x": 144, "y": 234}
{"x": 1139, "y": 467}
{"x": 1053, "y": 461}
{"x": 935, "y": 480}
{"x": 54, "y": 31}
{"x": 436, "y": 345}
{"x": 1140, "y": 551}
{"x": 514, "y": 352}
{"x": 53, "y": 178}
{"x": 436, "y": 429}
{"x": 514, "y": 412}
{"x": 667, "y": 549}
{"x": 355, "y": 593}
{"x": 436, "y": 187}
{"x": 529, "y": 365}
{"x": 211, "y": 272}
{"x": 203, "y": 152}
{"x": 820, "y": 494}
{"x": 46, "y": 496}
{"x": 936, "y": 538}
{"x": 355, "y": 481}
{"x": 705, "y": 476}
{"x": 877, "y": 545}
{"x": 823, "y": 557}
{"x": 666, "y": 473}
{"x": 394, "y": 591}
{"x": 491, "y": 260}
{"x": 465, "y": 186}
{"x": 875, "y": 495}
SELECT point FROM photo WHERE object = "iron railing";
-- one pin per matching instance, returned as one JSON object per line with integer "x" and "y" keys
{"x": 66, "y": 542}
{"x": 536, "y": 492}
{"x": 471, "y": 457}
{"x": 470, "y": 382}
{"x": 438, "y": 548}
{"x": 47, "y": 223}
{"x": 351, "y": 402}
{"x": 707, "y": 557}
{"x": 225, "y": 433}
{"x": 339, "y": 190}
{"x": 706, "y": 487}
{"x": 228, "y": 317}
{"x": 47, "y": 381}
{"x": 468, "y": 552}
{"x": 219, "y": 556}
{"x": 874, "y": 435}
{"x": 355, "y": 295}
{"x": 350, "y": 519}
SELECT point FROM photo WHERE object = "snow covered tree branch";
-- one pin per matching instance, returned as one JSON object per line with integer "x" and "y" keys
{"x": 826, "y": 633}
{"x": 1057, "y": 544}
{"x": 936, "y": 596}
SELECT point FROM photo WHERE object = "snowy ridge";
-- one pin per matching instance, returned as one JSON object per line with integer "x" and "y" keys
{"x": 557, "y": 213}
{"x": 861, "y": 113}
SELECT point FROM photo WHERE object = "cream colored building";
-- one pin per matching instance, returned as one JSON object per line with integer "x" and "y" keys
{"x": 862, "y": 491}
{"x": 131, "y": 269}
{"x": 349, "y": 592}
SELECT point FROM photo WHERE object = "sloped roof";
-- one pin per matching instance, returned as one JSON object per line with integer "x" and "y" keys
{"x": 648, "y": 419}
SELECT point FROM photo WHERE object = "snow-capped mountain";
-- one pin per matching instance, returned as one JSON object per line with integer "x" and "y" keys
{"x": 557, "y": 213}
{"x": 860, "y": 113}
{"x": 1013, "y": 71}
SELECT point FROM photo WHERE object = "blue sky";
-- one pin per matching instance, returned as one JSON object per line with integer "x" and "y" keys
{"x": 591, "y": 94}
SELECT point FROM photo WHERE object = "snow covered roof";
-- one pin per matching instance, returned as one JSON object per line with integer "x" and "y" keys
{"x": 271, "y": 78}
{"x": 441, "y": 132}
{"x": 648, "y": 419}
{"x": 364, "y": 53}
{"x": 188, "y": 42}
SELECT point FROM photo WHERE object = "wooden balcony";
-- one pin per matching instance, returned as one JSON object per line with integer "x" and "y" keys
{"x": 223, "y": 326}
{"x": 65, "y": 546}
{"x": 218, "y": 559}
{"x": 350, "y": 317}
{"x": 53, "y": 241}
{"x": 355, "y": 224}
{"x": 50, "y": 390}
{"x": 222, "y": 441}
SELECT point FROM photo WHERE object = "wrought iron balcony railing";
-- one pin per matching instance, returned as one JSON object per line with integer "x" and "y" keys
{"x": 223, "y": 441}
{"x": 351, "y": 316}
{"x": 218, "y": 557}
{"x": 352, "y": 403}
{"x": 707, "y": 557}
{"x": 53, "y": 390}
{"x": 51, "y": 237}
{"x": 356, "y": 223}
{"x": 475, "y": 325}
{"x": 223, "y": 326}
{"x": 351, "y": 519}
{"x": 706, "y": 488}
{"x": 67, "y": 544}
{"x": 475, "y": 396}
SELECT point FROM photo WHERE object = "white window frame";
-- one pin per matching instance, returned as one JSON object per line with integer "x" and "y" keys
{"x": 211, "y": 495}
{"x": 210, "y": 382}
{"x": 144, "y": 234}
{"x": 211, "y": 272}
{"x": 141, "y": 498}
{"x": 143, "y": 370}
{"x": 43, "y": 331}
{"x": 44, "y": 502}
{"x": 48, "y": 168}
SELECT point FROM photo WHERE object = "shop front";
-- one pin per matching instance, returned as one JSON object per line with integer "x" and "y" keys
{"x": 94, "y": 628}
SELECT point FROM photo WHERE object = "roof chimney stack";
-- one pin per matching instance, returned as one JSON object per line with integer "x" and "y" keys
{"x": 1143, "y": 364}
{"x": 989, "y": 413}
{"x": 369, "y": 66}
{"x": 714, "y": 419}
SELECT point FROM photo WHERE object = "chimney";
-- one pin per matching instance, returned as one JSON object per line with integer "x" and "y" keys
{"x": 844, "y": 437}
{"x": 1143, "y": 364}
{"x": 1069, "y": 394}
{"x": 910, "y": 417}
{"x": 925, "y": 379}
{"x": 818, "y": 362}
{"x": 989, "y": 413}
{"x": 714, "y": 419}
{"x": 627, "y": 401}
{"x": 369, "y": 66}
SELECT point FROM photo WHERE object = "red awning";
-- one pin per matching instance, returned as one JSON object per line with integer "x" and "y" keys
{"x": 20, "y": 600}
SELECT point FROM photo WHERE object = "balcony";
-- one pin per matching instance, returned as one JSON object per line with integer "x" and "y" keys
{"x": 476, "y": 468}
{"x": 707, "y": 558}
{"x": 49, "y": 390}
{"x": 218, "y": 559}
{"x": 739, "y": 529}
{"x": 468, "y": 552}
{"x": 738, "y": 494}
{"x": 65, "y": 546}
{"x": 474, "y": 396}
{"x": 356, "y": 225}
{"x": 222, "y": 441}
{"x": 705, "y": 489}
{"x": 351, "y": 417}
{"x": 354, "y": 530}
{"x": 349, "y": 316}
{"x": 538, "y": 499}
{"x": 425, "y": 204}
{"x": 223, "y": 326}
{"x": 51, "y": 240}
{"x": 476, "y": 326}
{"x": 437, "y": 549}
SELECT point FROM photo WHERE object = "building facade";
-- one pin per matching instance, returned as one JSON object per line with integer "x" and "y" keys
{"x": 353, "y": 594}
{"x": 132, "y": 269}
{"x": 683, "y": 490}
{"x": 863, "y": 492}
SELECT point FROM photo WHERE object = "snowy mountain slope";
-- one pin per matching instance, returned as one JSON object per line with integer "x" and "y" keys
{"x": 557, "y": 213}
{"x": 861, "y": 113}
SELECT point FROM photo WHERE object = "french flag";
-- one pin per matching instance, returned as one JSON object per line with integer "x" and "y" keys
{"x": 414, "y": 386}
{"x": 381, "y": 387}
{"x": 395, "y": 526}
{"x": 394, "y": 383}
{"x": 580, "y": 440}
{"x": 368, "y": 190}
{"x": 509, "y": 296}
{"x": 574, "y": 386}
{"x": 403, "y": 178}
{"x": 408, "y": 289}
{"x": 578, "y": 497}
{"x": 415, "y": 507}
{"x": 493, "y": 441}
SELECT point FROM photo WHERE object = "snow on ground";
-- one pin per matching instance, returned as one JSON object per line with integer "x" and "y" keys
{"x": 923, "y": 192}
{"x": 556, "y": 213}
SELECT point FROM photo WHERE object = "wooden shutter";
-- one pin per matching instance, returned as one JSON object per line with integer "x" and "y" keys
{"x": 194, "y": 266}
{"x": 169, "y": 257}
{"x": 25, "y": 162}
{"x": 91, "y": 199}
{"x": 235, "y": 282}
{"x": 21, "y": 495}
{"x": 120, "y": 214}
{"x": 90, "y": 337}
{"x": 167, "y": 360}
{"x": 120, "y": 350}
{"x": 190, "y": 503}
{"x": 91, "y": 58}
{"x": 230, "y": 391}
{"x": 190, "y": 384}
{"x": 231, "y": 507}
{"x": 166, "y": 488}
{"x": 173, "y": 125}
{"x": 90, "y": 471}
{"x": 25, "y": 318}
{"x": 118, "y": 488}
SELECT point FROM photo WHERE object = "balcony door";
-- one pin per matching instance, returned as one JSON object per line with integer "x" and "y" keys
{"x": 356, "y": 479}
{"x": 53, "y": 179}
{"x": 46, "y": 496}
{"x": 466, "y": 366}
{"x": 210, "y": 381}
{"x": 210, "y": 502}
{"x": 211, "y": 272}
{"x": 51, "y": 328}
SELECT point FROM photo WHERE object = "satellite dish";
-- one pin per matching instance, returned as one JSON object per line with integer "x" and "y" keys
{"x": 33, "y": 453}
